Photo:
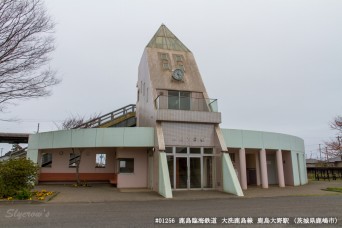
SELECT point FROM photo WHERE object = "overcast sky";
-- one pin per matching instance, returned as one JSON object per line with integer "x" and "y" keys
{"x": 273, "y": 65}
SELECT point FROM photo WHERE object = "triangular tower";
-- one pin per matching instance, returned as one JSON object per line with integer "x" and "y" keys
{"x": 172, "y": 98}
{"x": 165, "y": 39}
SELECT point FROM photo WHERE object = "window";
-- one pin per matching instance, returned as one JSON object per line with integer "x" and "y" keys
{"x": 184, "y": 98}
{"x": 181, "y": 150}
{"x": 164, "y": 60}
{"x": 168, "y": 150}
{"x": 173, "y": 100}
{"x": 208, "y": 150}
{"x": 100, "y": 161}
{"x": 164, "y": 56}
{"x": 46, "y": 160}
{"x": 166, "y": 66}
{"x": 126, "y": 165}
{"x": 179, "y": 58}
{"x": 195, "y": 150}
{"x": 179, "y": 100}
{"x": 73, "y": 158}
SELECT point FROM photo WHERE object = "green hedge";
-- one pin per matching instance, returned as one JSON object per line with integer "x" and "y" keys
{"x": 17, "y": 176}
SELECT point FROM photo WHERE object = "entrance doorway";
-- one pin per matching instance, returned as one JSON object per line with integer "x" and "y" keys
{"x": 190, "y": 168}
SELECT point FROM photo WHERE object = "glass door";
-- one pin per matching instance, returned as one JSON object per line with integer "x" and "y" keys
{"x": 207, "y": 172}
{"x": 181, "y": 172}
{"x": 195, "y": 172}
{"x": 191, "y": 168}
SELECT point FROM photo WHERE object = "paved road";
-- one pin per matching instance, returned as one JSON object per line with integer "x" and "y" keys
{"x": 143, "y": 213}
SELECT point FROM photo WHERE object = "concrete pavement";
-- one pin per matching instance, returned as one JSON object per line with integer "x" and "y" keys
{"x": 143, "y": 214}
{"x": 107, "y": 193}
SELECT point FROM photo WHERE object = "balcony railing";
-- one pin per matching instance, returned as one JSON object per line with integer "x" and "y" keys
{"x": 97, "y": 122}
{"x": 186, "y": 103}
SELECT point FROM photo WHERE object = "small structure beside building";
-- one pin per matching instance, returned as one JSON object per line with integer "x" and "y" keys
{"x": 330, "y": 169}
{"x": 335, "y": 161}
{"x": 331, "y": 162}
{"x": 312, "y": 162}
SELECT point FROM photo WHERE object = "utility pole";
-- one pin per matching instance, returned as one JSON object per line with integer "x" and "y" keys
{"x": 38, "y": 128}
{"x": 326, "y": 153}
{"x": 339, "y": 145}
{"x": 320, "y": 152}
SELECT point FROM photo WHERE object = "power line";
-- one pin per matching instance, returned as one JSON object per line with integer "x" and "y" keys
{"x": 38, "y": 120}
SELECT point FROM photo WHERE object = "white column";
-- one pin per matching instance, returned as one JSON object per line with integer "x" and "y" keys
{"x": 257, "y": 168}
{"x": 280, "y": 168}
{"x": 242, "y": 159}
{"x": 263, "y": 168}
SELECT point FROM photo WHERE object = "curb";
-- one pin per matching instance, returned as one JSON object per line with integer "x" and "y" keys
{"x": 5, "y": 202}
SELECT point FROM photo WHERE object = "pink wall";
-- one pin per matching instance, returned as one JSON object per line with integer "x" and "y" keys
{"x": 60, "y": 161}
{"x": 138, "y": 179}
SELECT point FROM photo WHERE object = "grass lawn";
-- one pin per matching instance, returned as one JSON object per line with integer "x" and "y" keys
{"x": 336, "y": 189}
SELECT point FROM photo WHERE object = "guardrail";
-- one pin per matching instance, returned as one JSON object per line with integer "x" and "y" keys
{"x": 108, "y": 117}
{"x": 186, "y": 103}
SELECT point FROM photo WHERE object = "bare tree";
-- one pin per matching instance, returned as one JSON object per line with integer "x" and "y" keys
{"x": 334, "y": 146}
{"x": 72, "y": 122}
{"x": 78, "y": 157}
{"x": 25, "y": 44}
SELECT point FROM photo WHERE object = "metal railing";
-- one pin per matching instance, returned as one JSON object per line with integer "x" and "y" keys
{"x": 186, "y": 103}
{"x": 108, "y": 117}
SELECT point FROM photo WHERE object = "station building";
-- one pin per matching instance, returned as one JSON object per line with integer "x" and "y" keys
{"x": 171, "y": 139}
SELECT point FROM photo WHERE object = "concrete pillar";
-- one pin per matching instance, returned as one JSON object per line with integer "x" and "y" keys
{"x": 242, "y": 159}
{"x": 230, "y": 181}
{"x": 257, "y": 168}
{"x": 34, "y": 156}
{"x": 164, "y": 187}
{"x": 237, "y": 165}
{"x": 263, "y": 169}
{"x": 280, "y": 168}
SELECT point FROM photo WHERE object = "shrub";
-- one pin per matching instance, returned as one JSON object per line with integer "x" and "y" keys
{"x": 23, "y": 194}
{"x": 16, "y": 175}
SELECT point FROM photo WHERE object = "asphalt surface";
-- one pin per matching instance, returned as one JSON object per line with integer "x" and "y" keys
{"x": 144, "y": 213}
{"x": 106, "y": 193}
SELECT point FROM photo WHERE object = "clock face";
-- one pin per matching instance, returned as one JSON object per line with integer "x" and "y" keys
{"x": 178, "y": 74}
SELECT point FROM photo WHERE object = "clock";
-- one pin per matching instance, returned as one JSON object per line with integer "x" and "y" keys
{"x": 178, "y": 74}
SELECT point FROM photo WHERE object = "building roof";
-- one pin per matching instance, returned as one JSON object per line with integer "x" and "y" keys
{"x": 144, "y": 137}
{"x": 335, "y": 159}
{"x": 165, "y": 39}
{"x": 312, "y": 160}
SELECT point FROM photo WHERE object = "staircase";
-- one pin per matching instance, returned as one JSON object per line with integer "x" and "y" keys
{"x": 123, "y": 117}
